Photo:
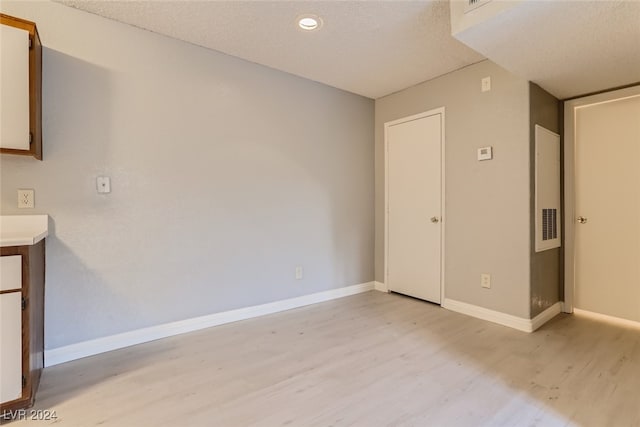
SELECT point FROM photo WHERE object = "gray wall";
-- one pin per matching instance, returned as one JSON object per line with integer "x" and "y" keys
{"x": 487, "y": 203}
{"x": 225, "y": 176}
{"x": 546, "y": 270}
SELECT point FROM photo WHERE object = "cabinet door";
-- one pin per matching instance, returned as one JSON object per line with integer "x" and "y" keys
{"x": 14, "y": 88}
{"x": 10, "y": 272}
{"x": 11, "y": 348}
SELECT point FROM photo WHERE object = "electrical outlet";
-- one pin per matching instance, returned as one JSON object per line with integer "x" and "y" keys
{"x": 299, "y": 272}
{"x": 26, "y": 199}
{"x": 486, "y": 84}
{"x": 103, "y": 184}
{"x": 485, "y": 280}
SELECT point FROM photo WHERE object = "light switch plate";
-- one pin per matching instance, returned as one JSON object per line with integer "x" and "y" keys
{"x": 485, "y": 153}
{"x": 26, "y": 199}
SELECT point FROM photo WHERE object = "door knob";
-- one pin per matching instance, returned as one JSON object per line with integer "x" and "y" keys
{"x": 581, "y": 220}
{"x": 434, "y": 219}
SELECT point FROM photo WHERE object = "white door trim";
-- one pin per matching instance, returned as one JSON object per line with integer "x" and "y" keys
{"x": 433, "y": 112}
{"x": 570, "y": 108}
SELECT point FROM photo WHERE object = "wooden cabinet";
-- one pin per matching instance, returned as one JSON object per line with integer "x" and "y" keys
{"x": 20, "y": 87}
{"x": 22, "y": 271}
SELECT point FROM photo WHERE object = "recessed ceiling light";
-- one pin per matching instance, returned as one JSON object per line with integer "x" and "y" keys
{"x": 309, "y": 22}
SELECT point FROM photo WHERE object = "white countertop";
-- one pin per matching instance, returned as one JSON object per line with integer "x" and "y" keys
{"x": 21, "y": 230}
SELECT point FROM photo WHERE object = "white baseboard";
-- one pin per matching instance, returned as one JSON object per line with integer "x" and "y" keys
{"x": 605, "y": 318}
{"x": 545, "y": 316}
{"x": 113, "y": 342}
{"x": 379, "y": 286}
{"x": 515, "y": 322}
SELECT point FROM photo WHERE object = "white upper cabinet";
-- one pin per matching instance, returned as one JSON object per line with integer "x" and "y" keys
{"x": 14, "y": 88}
{"x": 20, "y": 88}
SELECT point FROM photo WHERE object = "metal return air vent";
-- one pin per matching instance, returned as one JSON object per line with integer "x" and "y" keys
{"x": 474, "y": 4}
{"x": 549, "y": 224}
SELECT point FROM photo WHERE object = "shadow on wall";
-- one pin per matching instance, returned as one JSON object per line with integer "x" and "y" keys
{"x": 74, "y": 292}
{"x": 76, "y": 108}
{"x": 77, "y": 131}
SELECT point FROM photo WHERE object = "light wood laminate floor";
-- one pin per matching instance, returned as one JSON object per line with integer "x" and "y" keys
{"x": 371, "y": 359}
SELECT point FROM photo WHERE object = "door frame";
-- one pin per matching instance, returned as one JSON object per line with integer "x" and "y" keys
{"x": 435, "y": 111}
{"x": 570, "y": 108}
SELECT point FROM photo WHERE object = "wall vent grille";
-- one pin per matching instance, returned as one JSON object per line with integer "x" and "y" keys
{"x": 549, "y": 224}
{"x": 547, "y": 205}
{"x": 474, "y": 4}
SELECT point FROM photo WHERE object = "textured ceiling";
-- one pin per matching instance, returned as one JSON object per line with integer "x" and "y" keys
{"x": 569, "y": 48}
{"x": 372, "y": 48}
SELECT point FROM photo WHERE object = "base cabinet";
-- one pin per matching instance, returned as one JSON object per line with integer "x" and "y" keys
{"x": 22, "y": 272}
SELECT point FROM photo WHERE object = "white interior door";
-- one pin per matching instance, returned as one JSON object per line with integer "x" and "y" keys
{"x": 607, "y": 230}
{"x": 414, "y": 222}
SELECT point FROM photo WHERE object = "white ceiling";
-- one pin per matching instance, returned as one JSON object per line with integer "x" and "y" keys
{"x": 374, "y": 48}
{"x": 569, "y": 48}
